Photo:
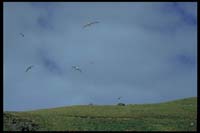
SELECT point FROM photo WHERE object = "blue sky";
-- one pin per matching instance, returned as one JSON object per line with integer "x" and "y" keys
{"x": 144, "y": 52}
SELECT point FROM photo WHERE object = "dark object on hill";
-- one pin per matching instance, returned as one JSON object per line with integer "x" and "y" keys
{"x": 121, "y": 104}
{"x": 91, "y": 104}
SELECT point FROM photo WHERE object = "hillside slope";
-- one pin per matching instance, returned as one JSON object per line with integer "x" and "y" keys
{"x": 178, "y": 115}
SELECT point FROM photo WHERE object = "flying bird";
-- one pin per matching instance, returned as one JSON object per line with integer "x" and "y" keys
{"x": 119, "y": 98}
{"x": 91, "y": 23}
{"x": 76, "y": 68}
{"x": 29, "y": 68}
{"x": 21, "y": 34}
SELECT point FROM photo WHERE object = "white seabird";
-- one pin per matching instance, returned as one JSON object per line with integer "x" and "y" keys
{"x": 76, "y": 68}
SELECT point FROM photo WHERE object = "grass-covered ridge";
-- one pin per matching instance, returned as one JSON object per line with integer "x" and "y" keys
{"x": 178, "y": 115}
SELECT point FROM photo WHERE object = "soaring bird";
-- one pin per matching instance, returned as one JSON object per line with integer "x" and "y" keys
{"x": 21, "y": 34}
{"x": 29, "y": 68}
{"x": 119, "y": 98}
{"x": 77, "y": 68}
{"x": 91, "y": 23}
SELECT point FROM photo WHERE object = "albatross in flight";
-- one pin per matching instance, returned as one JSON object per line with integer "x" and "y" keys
{"x": 119, "y": 98}
{"x": 29, "y": 68}
{"x": 91, "y": 23}
{"x": 76, "y": 68}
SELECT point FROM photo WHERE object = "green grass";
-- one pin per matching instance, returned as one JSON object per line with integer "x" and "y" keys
{"x": 169, "y": 116}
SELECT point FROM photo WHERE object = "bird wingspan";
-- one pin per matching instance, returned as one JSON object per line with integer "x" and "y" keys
{"x": 89, "y": 24}
{"x": 29, "y": 68}
{"x": 86, "y": 25}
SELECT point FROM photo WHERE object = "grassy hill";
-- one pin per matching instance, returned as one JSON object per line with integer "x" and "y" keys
{"x": 178, "y": 115}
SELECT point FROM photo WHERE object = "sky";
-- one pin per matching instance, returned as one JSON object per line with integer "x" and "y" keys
{"x": 143, "y": 52}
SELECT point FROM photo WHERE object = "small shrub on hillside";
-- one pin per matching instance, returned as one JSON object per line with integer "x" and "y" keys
{"x": 121, "y": 104}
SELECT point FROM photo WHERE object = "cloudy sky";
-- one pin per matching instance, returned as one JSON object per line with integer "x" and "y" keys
{"x": 143, "y": 52}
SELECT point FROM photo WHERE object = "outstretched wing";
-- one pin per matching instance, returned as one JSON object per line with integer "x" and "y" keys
{"x": 79, "y": 70}
{"x": 86, "y": 25}
{"x": 29, "y": 68}
{"x": 91, "y": 23}
{"x": 95, "y": 22}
